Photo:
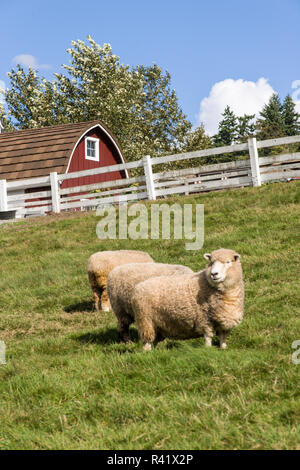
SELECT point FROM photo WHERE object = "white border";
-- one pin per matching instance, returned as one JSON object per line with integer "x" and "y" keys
{"x": 109, "y": 136}
{"x": 96, "y": 157}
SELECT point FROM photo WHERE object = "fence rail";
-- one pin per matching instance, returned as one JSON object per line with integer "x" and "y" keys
{"x": 252, "y": 171}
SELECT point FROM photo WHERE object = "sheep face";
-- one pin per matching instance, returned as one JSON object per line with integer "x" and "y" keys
{"x": 224, "y": 268}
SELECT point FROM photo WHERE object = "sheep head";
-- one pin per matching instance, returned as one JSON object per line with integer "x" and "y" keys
{"x": 224, "y": 269}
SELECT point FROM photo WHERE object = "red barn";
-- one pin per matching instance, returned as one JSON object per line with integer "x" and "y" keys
{"x": 65, "y": 148}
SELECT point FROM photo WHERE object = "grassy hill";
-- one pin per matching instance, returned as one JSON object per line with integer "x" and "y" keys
{"x": 69, "y": 384}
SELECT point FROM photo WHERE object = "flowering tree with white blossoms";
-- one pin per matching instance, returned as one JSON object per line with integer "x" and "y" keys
{"x": 137, "y": 103}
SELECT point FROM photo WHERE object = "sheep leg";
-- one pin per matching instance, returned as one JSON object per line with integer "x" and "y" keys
{"x": 208, "y": 336}
{"x": 123, "y": 329}
{"x": 147, "y": 334}
{"x": 222, "y": 336}
{"x": 96, "y": 290}
{"x": 96, "y": 300}
{"x": 105, "y": 303}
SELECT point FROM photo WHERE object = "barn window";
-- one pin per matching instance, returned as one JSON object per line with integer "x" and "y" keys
{"x": 92, "y": 149}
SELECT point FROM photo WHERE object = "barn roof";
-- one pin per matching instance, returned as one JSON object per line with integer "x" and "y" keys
{"x": 37, "y": 152}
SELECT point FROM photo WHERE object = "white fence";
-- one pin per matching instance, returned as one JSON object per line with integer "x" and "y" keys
{"x": 248, "y": 172}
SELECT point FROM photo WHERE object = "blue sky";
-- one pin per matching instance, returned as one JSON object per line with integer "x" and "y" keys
{"x": 201, "y": 43}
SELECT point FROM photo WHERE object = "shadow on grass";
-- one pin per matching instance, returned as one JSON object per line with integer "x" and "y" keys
{"x": 108, "y": 336}
{"x": 195, "y": 343}
{"x": 172, "y": 345}
{"x": 86, "y": 306}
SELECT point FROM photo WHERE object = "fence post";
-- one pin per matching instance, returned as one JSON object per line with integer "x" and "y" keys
{"x": 149, "y": 177}
{"x": 3, "y": 196}
{"x": 55, "y": 192}
{"x": 255, "y": 171}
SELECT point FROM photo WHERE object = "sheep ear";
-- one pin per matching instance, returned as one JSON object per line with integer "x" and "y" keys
{"x": 237, "y": 257}
{"x": 207, "y": 256}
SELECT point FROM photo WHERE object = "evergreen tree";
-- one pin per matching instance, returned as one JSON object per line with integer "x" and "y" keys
{"x": 270, "y": 123}
{"x": 245, "y": 127}
{"x": 227, "y": 129}
{"x": 291, "y": 118}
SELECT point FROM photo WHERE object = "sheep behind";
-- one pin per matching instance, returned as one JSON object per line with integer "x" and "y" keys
{"x": 99, "y": 266}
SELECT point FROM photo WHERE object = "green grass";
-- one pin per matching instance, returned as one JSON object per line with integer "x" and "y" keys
{"x": 69, "y": 384}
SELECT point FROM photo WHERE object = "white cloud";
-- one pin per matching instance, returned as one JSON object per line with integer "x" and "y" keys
{"x": 27, "y": 60}
{"x": 243, "y": 97}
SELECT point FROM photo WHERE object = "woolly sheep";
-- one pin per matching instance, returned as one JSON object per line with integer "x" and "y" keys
{"x": 99, "y": 266}
{"x": 120, "y": 285}
{"x": 192, "y": 305}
